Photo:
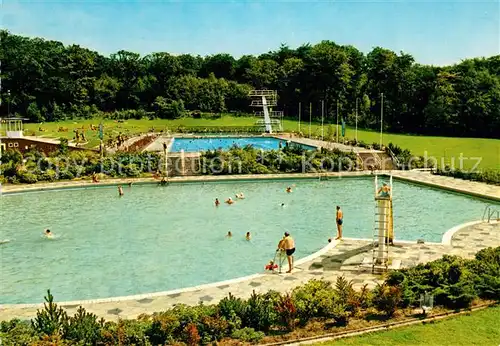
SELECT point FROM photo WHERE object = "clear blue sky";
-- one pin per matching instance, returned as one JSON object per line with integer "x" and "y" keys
{"x": 434, "y": 33}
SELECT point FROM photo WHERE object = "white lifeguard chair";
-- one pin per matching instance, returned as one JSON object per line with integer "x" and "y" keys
{"x": 383, "y": 231}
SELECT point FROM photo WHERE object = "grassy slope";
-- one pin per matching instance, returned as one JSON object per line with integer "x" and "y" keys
{"x": 478, "y": 328}
{"x": 443, "y": 148}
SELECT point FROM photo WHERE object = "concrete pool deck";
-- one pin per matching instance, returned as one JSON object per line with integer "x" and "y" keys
{"x": 336, "y": 259}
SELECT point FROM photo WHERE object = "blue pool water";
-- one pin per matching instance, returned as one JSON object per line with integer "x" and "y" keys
{"x": 225, "y": 143}
{"x": 161, "y": 238}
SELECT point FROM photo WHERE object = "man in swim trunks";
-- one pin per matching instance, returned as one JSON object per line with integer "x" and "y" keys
{"x": 289, "y": 246}
{"x": 339, "y": 219}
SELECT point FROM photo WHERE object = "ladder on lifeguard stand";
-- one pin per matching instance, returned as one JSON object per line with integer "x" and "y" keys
{"x": 383, "y": 230}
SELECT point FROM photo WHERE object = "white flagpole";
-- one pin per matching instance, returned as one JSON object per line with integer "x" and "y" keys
{"x": 381, "y": 117}
{"x": 310, "y": 118}
{"x": 300, "y": 109}
{"x": 322, "y": 115}
{"x": 356, "y": 120}
{"x": 337, "y": 121}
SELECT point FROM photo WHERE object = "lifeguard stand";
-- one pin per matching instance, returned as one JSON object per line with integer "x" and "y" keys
{"x": 383, "y": 231}
{"x": 267, "y": 99}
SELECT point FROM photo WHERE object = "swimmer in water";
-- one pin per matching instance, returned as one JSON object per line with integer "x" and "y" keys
{"x": 48, "y": 233}
{"x": 240, "y": 195}
{"x": 248, "y": 236}
{"x": 229, "y": 234}
{"x": 282, "y": 205}
{"x": 217, "y": 203}
{"x": 120, "y": 190}
{"x": 229, "y": 201}
{"x": 288, "y": 189}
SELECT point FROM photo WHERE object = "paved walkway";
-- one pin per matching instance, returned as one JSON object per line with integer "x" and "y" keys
{"x": 329, "y": 145}
{"x": 338, "y": 258}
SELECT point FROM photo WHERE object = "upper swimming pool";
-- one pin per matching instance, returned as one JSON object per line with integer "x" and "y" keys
{"x": 225, "y": 143}
{"x": 162, "y": 238}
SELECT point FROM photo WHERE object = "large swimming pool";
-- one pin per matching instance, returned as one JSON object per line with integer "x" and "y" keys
{"x": 225, "y": 143}
{"x": 161, "y": 238}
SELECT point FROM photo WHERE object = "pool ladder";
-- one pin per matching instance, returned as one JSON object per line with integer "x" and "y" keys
{"x": 489, "y": 213}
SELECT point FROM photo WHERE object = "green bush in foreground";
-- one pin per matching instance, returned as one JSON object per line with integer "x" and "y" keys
{"x": 455, "y": 282}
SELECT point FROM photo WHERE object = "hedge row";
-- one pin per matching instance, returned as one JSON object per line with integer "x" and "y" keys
{"x": 488, "y": 177}
{"x": 454, "y": 282}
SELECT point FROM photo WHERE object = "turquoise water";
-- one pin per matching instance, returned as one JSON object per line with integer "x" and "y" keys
{"x": 162, "y": 238}
{"x": 225, "y": 143}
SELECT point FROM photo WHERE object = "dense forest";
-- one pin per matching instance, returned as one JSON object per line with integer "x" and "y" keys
{"x": 46, "y": 81}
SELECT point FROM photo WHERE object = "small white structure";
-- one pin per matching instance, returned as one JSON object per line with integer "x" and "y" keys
{"x": 13, "y": 127}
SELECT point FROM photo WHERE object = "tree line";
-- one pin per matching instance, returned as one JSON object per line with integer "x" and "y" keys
{"x": 44, "y": 80}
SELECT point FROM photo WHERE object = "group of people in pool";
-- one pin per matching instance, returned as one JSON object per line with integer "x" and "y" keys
{"x": 248, "y": 236}
{"x": 242, "y": 196}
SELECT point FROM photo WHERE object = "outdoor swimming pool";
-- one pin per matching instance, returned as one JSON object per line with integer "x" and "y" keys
{"x": 225, "y": 143}
{"x": 161, "y": 238}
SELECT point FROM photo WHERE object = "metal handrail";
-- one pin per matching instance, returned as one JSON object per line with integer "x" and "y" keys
{"x": 394, "y": 157}
{"x": 490, "y": 212}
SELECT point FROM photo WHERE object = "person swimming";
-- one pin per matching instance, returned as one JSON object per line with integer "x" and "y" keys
{"x": 240, "y": 195}
{"x": 48, "y": 233}
{"x": 289, "y": 189}
{"x": 229, "y": 201}
{"x": 282, "y": 205}
{"x": 229, "y": 234}
{"x": 217, "y": 203}
{"x": 248, "y": 236}
{"x": 120, "y": 190}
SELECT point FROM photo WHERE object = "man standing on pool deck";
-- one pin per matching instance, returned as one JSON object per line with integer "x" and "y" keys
{"x": 339, "y": 221}
{"x": 289, "y": 245}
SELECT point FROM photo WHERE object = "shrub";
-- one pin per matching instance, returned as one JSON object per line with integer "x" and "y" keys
{"x": 386, "y": 298}
{"x": 51, "y": 319}
{"x": 17, "y": 333}
{"x": 162, "y": 328}
{"x": 213, "y": 328}
{"x": 191, "y": 336}
{"x": 27, "y": 177}
{"x": 83, "y": 327}
{"x": 247, "y": 335}
{"x": 487, "y": 263}
{"x": 125, "y": 332}
{"x": 314, "y": 299}
{"x": 450, "y": 279}
{"x": 48, "y": 175}
{"x": 260, "y": 312}
{"x": 287, "y": 313}
{"x": 232, "y": 309}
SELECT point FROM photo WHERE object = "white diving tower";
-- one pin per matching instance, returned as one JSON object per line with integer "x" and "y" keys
{"x": 267, "y": 99}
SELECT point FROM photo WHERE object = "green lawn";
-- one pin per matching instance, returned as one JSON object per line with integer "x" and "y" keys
{"x": 442, "y": 148}
{"x": 478, "y": 328}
